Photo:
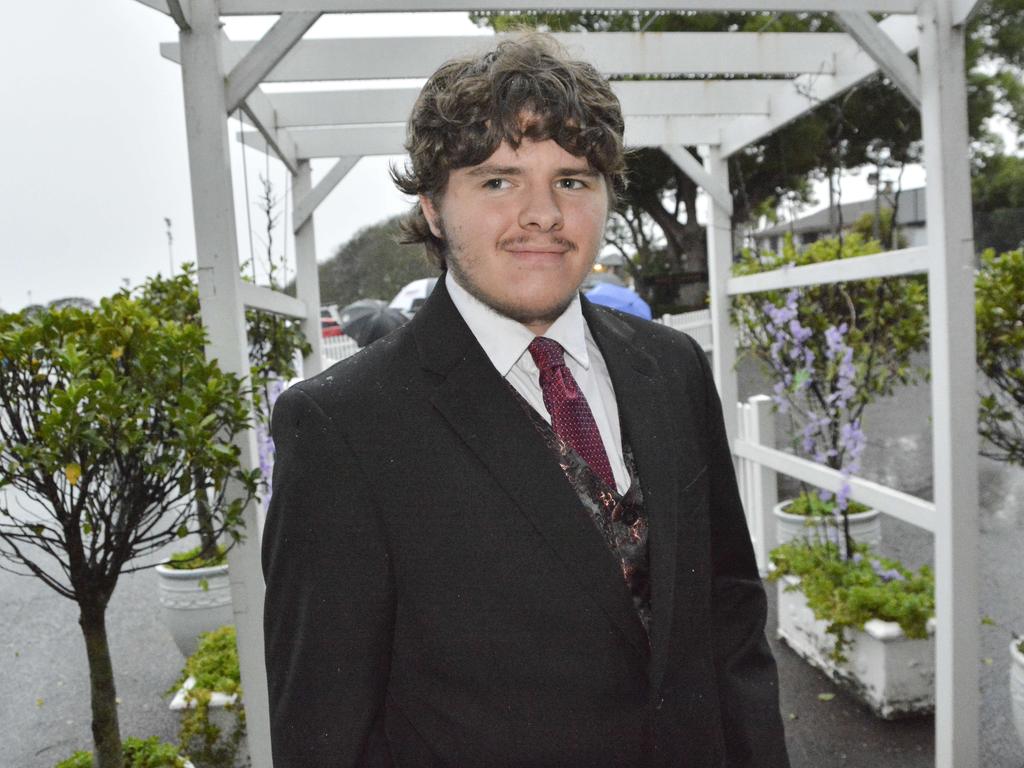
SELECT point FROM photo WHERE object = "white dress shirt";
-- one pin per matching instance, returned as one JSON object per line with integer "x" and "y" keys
{"x": 505, "y": 341}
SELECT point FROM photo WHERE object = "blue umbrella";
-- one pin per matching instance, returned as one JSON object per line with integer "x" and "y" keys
{"x": 619, "y": 297}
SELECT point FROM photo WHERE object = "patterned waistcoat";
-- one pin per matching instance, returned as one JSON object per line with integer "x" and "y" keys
{"x": 620, "y": 519}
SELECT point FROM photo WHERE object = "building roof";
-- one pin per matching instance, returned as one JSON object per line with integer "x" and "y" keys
{"x": 911, "y": 212}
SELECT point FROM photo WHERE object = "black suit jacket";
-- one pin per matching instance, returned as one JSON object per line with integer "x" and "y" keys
{"x": 437, "y": 596}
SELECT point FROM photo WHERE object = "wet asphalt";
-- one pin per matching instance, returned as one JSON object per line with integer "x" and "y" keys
{"x": 44, "y": 691}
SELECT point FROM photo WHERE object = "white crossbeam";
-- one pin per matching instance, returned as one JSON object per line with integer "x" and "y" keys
{"x": 894, "y": 62}
{"x": 683, "y": 131}
{"x": 907, "y": 261}
{"x": 268, "y": 300}
{"x": 693, "y": 168}
{"x": 261, "y": 113}
{"x": 614, "y": 53}
{"x": 249, "y": 72}
{"x": 304, "y": 206}
{"x": 256, "y": 7}
{"x": 896, "y": 503}
{"x": 393, "y": 105}
{"x": 389, "y": 138}
{"x": 791, "y": 99}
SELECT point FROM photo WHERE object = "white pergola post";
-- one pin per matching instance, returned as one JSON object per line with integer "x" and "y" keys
{"x": 954, "y": 399}
{"x": 307, "y": 278}
{"x": 223, "y": 317}
{"x": 723, "y": 334}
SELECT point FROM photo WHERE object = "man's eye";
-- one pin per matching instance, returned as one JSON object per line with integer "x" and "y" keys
{"x": 572, "y": 184}
{"x": 496, "y": 184}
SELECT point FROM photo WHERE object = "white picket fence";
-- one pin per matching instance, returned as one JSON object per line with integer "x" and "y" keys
{"x": 697, "y": 324}
{"x": 758, "y": 484}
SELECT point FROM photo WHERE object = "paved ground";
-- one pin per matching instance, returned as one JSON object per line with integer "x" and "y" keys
{"x": 44, "y": 710}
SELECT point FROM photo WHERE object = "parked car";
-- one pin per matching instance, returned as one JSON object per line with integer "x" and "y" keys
{"x": 412, "y": 296}
{"x": 329, "y": 321}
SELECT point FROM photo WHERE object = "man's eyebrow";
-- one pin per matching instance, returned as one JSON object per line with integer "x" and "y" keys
{"x": 494, "y": 170}
{"x": 488, "y": 169}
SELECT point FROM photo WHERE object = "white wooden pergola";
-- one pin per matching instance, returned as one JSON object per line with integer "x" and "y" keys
{"x": 721, "y": 115}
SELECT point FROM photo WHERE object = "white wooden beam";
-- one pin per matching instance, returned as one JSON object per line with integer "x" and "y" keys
{"x": 389, "y": 138}
{"x": 692, "y": 97}
{"x": 309, "y": 201}
{"x": 307, "y": 274}
{"x": 894, "y": 62}
{"x": 638, "y": 98}
{"x": 683, "y": 131}
{"x": 964, "y": 10}
{"x": 723, "y": 333}
{"x": 257, "y": 7}
{"x": 180, "y": 14}
{"x": 261, "y": 113}
{"x": 693, "y": 168}
{"x": 249, "y": 72}
{"x": 362, "y": 140}
{"x": 953, "y": 385}
{"x": 223, "y": 316}
{"x": 266, "y": 299}
{"x": 648, "y": 53}
{"x": 908, "y": 508}
{"x": 792, "y": 98}
{"x": 907, "y": 261}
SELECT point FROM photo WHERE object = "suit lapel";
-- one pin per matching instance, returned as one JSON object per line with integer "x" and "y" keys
{"x": 648, "y": 412}
{"x": 479, "y": 407}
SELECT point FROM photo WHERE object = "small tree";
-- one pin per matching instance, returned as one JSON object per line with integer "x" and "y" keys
{"x": 832, "y": 349}
{"x": 104, "y": 418}
{"x": 999, "y": 303}
{"x": 273, "y": 342}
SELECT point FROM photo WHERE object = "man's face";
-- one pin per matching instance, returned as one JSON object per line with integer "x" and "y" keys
{"x": 523, "y": 229}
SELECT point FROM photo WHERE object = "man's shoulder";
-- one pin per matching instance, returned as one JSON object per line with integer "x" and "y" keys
{"x": 366, "y": 379}
{"x": 649, "y": 336}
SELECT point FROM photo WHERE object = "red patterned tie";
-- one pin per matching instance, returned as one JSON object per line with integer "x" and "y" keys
{"x": 571, "y": 417}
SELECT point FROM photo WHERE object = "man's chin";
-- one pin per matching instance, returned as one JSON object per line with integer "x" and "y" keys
{"x": 530, "y": 314}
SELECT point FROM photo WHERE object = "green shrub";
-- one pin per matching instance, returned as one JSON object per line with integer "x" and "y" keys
{"x": 191, "y": 559}
{"x": 138, "y": 753}
{"x": 999, "y": 306}
{"x": 810, "y": 504}
{"x": 214, "y": 667}
{"x": 848, "y": 593}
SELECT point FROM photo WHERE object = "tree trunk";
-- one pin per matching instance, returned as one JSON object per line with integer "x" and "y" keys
{"x": 106, "y": 732}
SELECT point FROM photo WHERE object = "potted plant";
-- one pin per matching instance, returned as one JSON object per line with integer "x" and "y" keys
{"x": 193, "y": 586}
{"x": 866, "y": 621}
{"x": 208, "y": 694}
{"x": 999, "y": 307}
{"x": 103, "y": 416}
{"x": 831, "y": 350}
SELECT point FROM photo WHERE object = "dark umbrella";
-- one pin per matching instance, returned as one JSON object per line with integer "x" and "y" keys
{"x": 367, "y": 320}
{"x": 619, "y": 297}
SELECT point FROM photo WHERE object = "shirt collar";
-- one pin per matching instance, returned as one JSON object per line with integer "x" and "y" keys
{"x": 504, "y": 340}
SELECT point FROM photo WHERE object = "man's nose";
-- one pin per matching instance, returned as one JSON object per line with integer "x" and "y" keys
{"x": 540, "y": 210}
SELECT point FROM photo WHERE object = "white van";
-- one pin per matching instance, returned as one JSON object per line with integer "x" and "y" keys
{"x": 412, "y": 296}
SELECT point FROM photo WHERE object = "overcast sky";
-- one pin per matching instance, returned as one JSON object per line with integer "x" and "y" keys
{"x": 93, "y": 154}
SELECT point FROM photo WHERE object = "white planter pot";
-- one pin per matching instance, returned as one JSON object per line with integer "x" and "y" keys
{"x": 1017, "y": 688}
{"x": 219, "y": 714}
{"x": 865, "y": 527}
{"x": 189, "y": 608}
{"x": 891, "y": 673}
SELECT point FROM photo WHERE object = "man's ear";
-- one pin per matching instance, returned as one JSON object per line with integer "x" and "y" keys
{"x": 432, "y": 215}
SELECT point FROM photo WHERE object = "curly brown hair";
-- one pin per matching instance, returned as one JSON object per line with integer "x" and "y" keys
{"x": 526, "y": 88}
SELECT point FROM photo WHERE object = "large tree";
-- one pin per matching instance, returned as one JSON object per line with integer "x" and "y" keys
{"x": 372, "y": 265}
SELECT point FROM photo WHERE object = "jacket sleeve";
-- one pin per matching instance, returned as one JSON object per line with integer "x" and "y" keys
{"x": 748, "y": 683}
{"x": 329, "y": 608}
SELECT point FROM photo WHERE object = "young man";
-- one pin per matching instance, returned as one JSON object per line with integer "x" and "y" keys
{"x": 509, "y": 533}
